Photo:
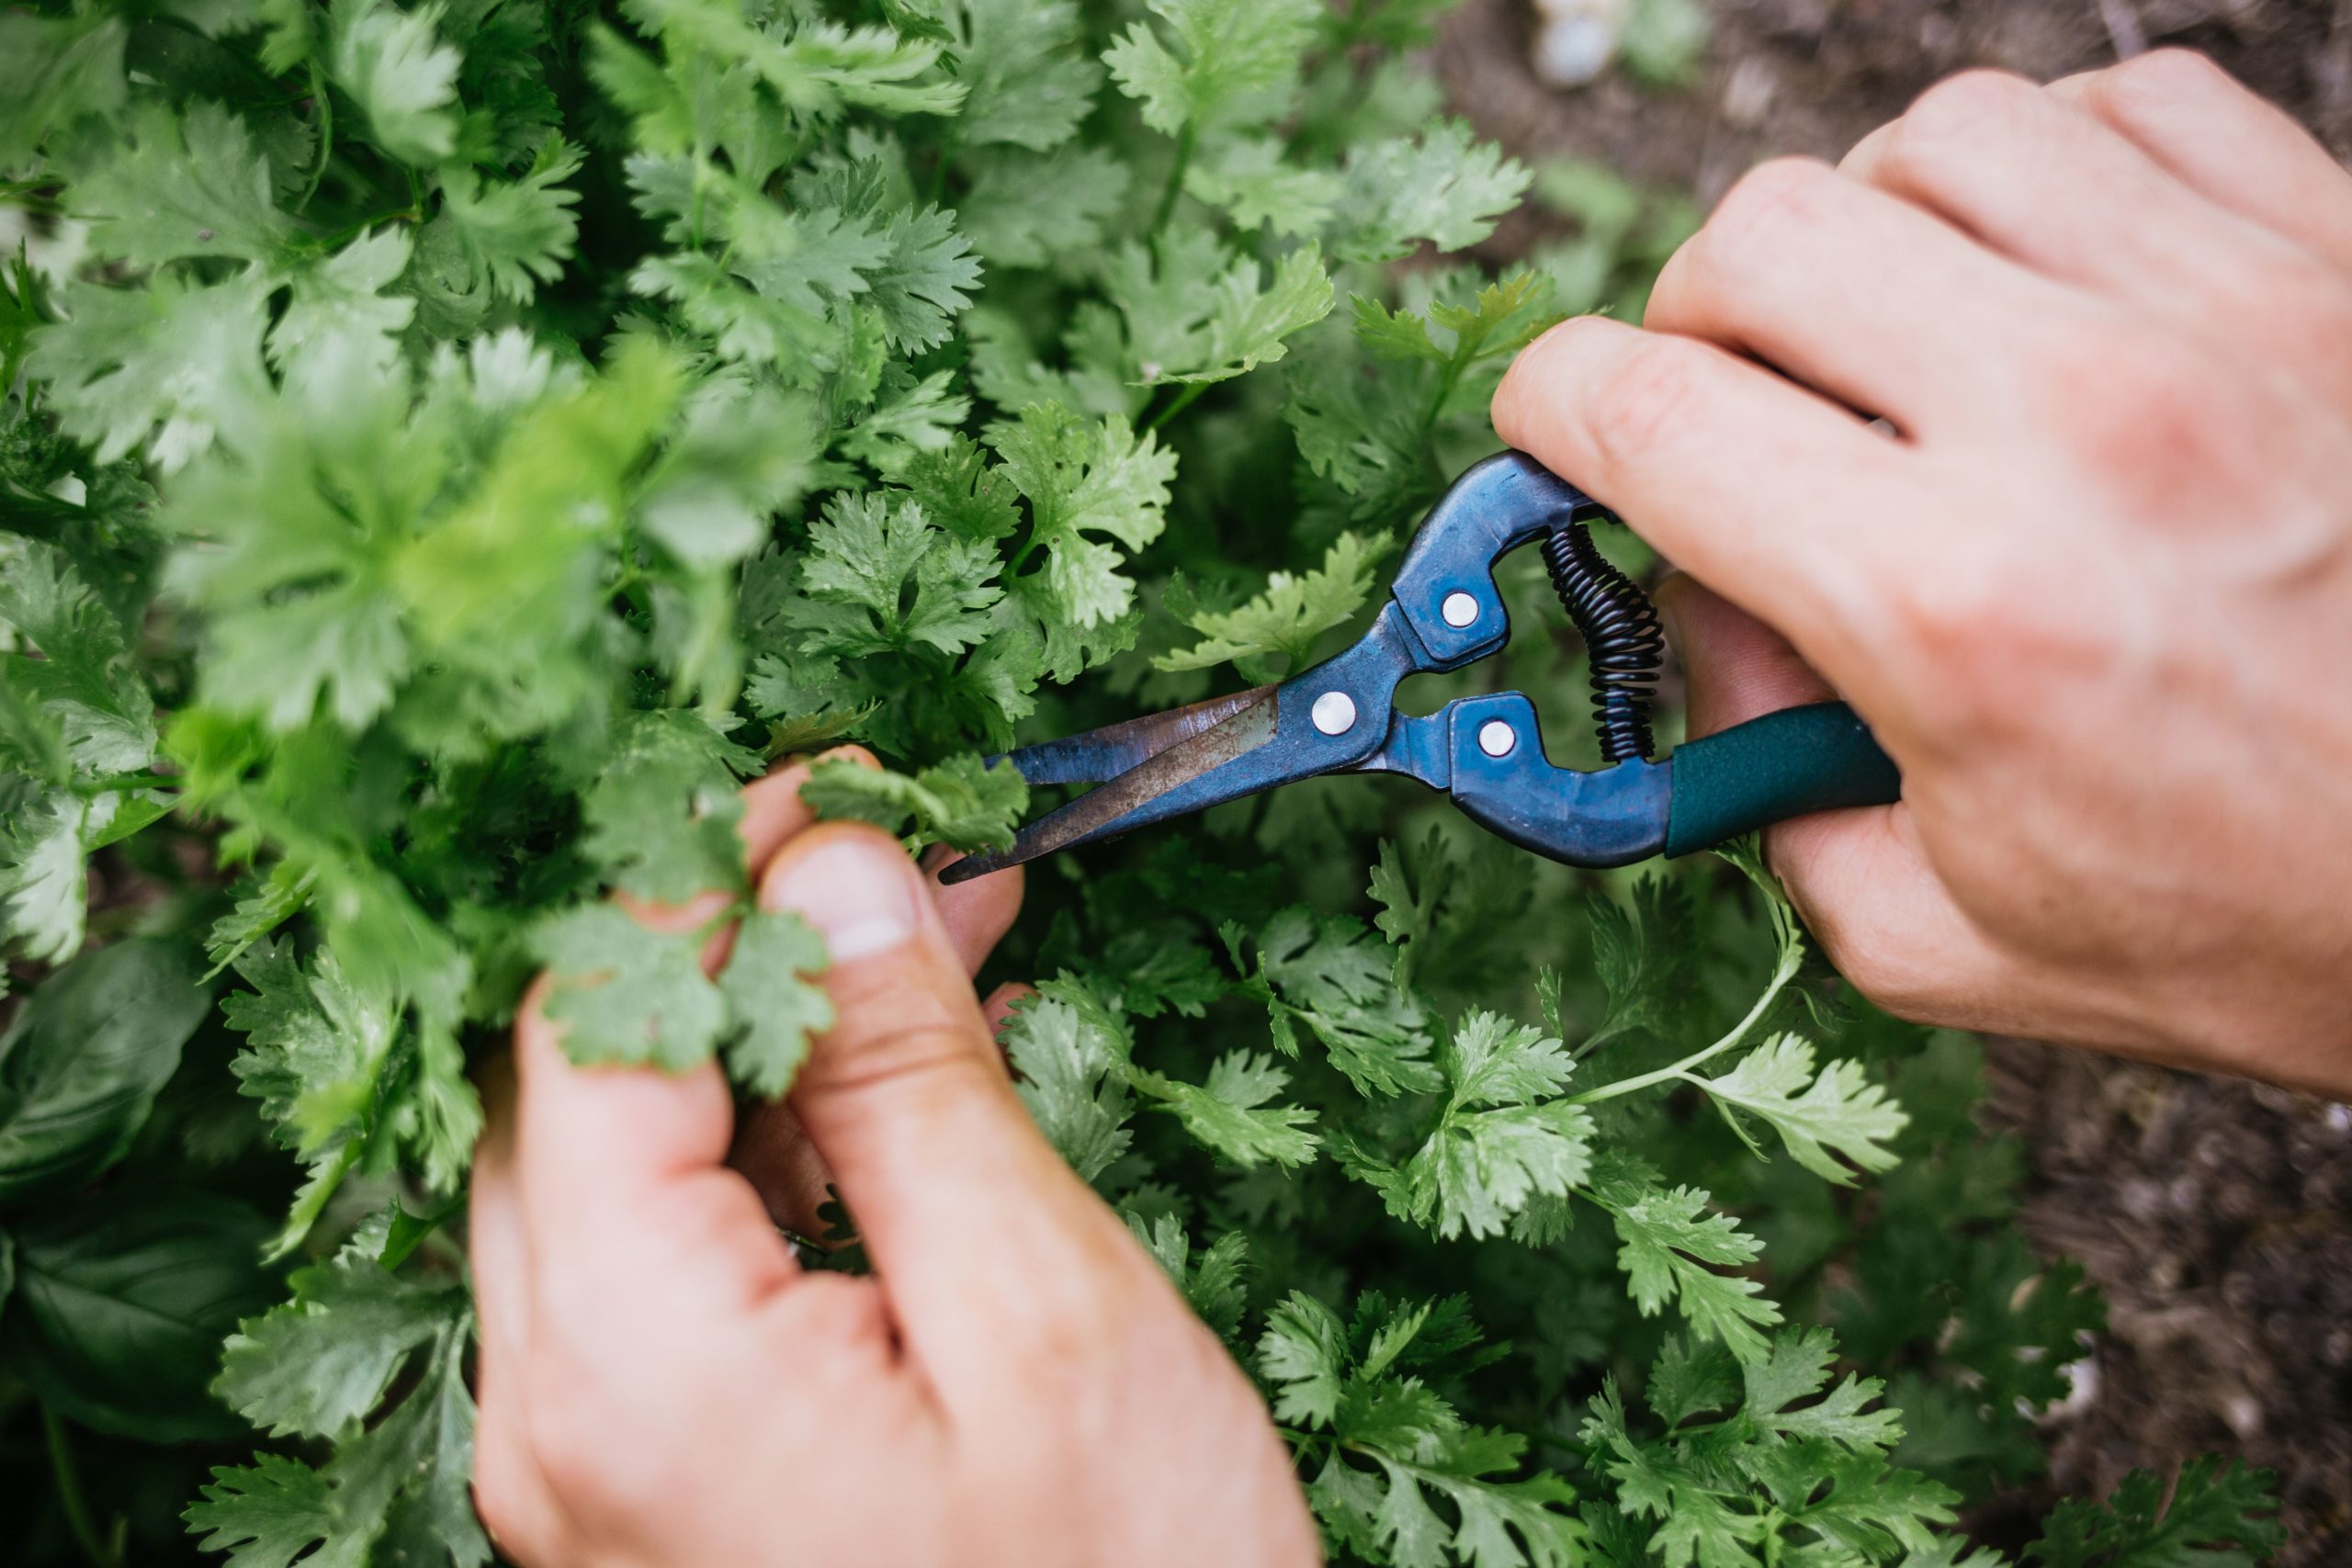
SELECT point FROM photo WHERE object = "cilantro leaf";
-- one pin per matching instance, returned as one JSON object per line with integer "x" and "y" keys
{"x": 1840, "y": 1111}
{"x": 778, "y": 1008}
{"x": 1230, "y": 1114}
{"x": 1289, "y": 616}
{"x": 1069, "y": 1057}
{"x": 627, "y": 993}
{"x": 962, "y": 802}
{"x": 399, "y": 74}
{"x": 1195, "y": 312}
{"x": 1236, "y": 62}
{"x": 1082, "y": 480}
{"x": 1666, "y": 1249}
{"x": 1445, "y": 187}
{"x": 189, "y": 185}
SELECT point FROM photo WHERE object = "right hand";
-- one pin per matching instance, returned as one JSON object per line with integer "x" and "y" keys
{"x": 2095, "y": 596}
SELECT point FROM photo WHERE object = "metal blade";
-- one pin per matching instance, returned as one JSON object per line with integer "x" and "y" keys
{"x": 1126, "y": 800}
{"x": 1326, "y": 719}
{"x": 1116, "y": 749}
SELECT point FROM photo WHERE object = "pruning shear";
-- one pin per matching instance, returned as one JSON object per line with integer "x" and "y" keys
{"x": 1485, "y": 752}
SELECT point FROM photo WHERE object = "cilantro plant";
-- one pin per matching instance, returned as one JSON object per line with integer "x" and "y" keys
{"x": 448, "y": 449}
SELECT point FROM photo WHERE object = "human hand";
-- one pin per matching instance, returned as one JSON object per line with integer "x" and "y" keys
{"x": 2095, "y": 596}
{"x": 661, "y": 1380}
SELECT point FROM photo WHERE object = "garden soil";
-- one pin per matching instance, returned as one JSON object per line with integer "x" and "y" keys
{"x": 2216, "y": 1216}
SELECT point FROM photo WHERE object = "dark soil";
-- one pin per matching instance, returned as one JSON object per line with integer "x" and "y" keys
{"x": 2215, "y": 1215}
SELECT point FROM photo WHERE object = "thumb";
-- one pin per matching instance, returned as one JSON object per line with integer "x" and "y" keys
{"x": 985, "y": 1242}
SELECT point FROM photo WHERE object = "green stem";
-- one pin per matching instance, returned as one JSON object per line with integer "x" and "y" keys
{"x": 1175, "y": 179}
{"x": 122, "y": 784}
{"x": 320, "y": 96}
{"x": 1182, "y": 400}
{"x": 101, "y": 1552}
{"x": 1780, "y": 977}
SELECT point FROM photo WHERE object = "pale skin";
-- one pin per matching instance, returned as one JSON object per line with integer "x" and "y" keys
{"x": 2094, "y": 594}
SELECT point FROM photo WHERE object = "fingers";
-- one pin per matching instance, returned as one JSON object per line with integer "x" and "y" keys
{"x": 770, "y": 1147}
{"x": 1866, "y": 298}
{"x": 1867, "y": 891}
{"x": 2224, "y": 142}
{"x": 1736, "y": 667}
{"x": 1787, "y": 503}
{"x": 978, "y": 913}
{"x": 994, "y": 1256}
{"x": 618, "y": 1171}
{"x": 2039, "y": 178}
{"x": 621, "y": 1180}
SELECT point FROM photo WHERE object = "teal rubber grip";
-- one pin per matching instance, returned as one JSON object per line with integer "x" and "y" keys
{"x": 1820, "y": 757}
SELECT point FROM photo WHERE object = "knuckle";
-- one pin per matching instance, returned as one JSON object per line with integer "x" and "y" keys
{"x": 2161, "y": 79}
{"x": 1775, "y": 198}
{"x": 1950, "y": 119}
{"x": 2153, "y": 418}
{"x": 1652, "y": 391}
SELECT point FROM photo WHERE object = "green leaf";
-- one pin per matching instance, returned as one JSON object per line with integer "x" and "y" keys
{"x": 1228, "y": 1114}
{"x": 83, "y": 1060}
{"x": 1236, "y": 62}
{"x": 187, "y": 183}
{"x": 961, "y": 802}
{"x": 1445, "y": 187}
{"x": 1304, "y": 1351}
{"x": 53, "y": 72}
{"x": 770, "y": 987}
{"x": 1027, "y": 209}
{"x": 662, "y": 815}
{"x": 1290, "y": 615}
{"x": 1251, "y": 180}
{"x": 1026, "y": 83}
{"x": 399, "y": 74}
{"x": 880, "y": 578}
{"x": 1840, "y": 1111}
{"x": 318, "y": 1364}
{"x": 123, "y": 1302}
{"x": 1330, "y": 976}
{"x": 1069, "y": 1057}
{"x": 627, "y": 993}
{"x": 1083, "y": 480}
{"x": 2216, "y": 1517}
{"x": 511, "y": 236}
{"x": 1667, "y": 1246}
{"x": 166, "y": 366}
{"x": 1643, "y": 951}
{"x": 1195, "y": 311}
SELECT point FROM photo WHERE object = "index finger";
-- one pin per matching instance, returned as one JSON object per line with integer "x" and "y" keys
{"x": 1779, "y": 499}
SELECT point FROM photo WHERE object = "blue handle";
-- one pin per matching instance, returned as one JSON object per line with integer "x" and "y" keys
{"x": 1496, "y": 506}
{"x": 1611, "y": 817}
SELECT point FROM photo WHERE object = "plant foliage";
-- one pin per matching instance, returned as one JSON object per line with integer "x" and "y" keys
{"x": 447, "y": 449}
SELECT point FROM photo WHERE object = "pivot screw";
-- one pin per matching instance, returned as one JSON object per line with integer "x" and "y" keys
{"x": 1334, "y": 713}
{"x": 1460, "y": 609}
{"x": 1495, "y": 737}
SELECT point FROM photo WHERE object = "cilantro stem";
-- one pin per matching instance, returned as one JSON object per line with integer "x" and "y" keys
{"x": 1175, "y": 179}
{"x": 1782, "y": 974}
{"x": 101, "y": 1551}
{"x": 1182, "y": 400}
{"x": 320, "y": 96}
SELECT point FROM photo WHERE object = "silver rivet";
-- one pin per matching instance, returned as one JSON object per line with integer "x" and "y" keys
{"x": 1334, "y": 713}
{"x": 1496, "y": 739}
{"x": 1459, "y": 610}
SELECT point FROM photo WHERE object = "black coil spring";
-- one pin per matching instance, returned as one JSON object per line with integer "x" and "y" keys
{"x": 1620, "y": 634}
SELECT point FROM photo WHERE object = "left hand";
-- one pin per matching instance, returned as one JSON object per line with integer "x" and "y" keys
{"x": 662, "y": 1383}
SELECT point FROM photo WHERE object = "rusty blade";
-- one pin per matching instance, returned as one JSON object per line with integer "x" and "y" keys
{"x": 1140, "y": 794}
{"x": 1116, "y": 749}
